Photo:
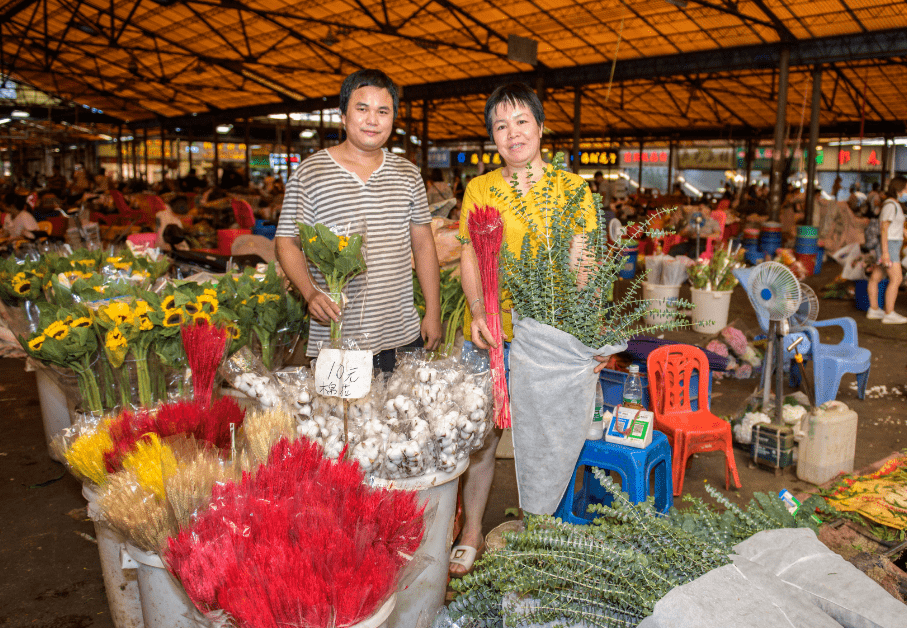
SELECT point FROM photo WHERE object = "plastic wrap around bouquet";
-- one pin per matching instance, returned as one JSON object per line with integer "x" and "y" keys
{"x": 301, "y": 541}
{"x": 338, "y": 252}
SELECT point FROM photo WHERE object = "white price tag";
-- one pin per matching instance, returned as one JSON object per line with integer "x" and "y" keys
{"x": 342, "y": 373}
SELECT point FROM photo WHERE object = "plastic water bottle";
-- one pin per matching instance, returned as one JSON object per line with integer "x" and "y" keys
{"x": 597, "y": 427}
{"x": 632, "y": 394}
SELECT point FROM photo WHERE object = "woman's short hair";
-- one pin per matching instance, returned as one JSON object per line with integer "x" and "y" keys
{"x": 367, "y": 78}
{"x": 896, "y": 186}
{"x": 513, "y": 94}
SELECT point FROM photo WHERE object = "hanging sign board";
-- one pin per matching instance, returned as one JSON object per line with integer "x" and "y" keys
{"x": 343, "y": 373}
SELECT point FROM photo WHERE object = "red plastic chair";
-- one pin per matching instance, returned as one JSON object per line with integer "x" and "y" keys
{"x": 148, "y": 240}
{"x": 245, "y": 217}
{"x": 157, "y": 204}
{"x": 689, "y": 431}
{"x": 721, "y": 217}
{"x": 127, "y": 215}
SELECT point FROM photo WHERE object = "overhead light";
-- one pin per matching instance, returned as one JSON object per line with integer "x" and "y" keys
{"x": 401, "y": 131}
{"x": 224, "y": 128}
{"x": 277, "y": 116}
{"x": 19, "y": 114}
{"x": 857, "y": 147}
{"x": 682, "y": 4}
{"x": 307, "y": 134}
{"x": 5, "y": 120}
{"x": 105, "y": 137}
{"x": 398, "y": 150}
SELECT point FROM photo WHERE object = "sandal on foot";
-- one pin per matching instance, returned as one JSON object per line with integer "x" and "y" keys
{"x": 465, "y": 556}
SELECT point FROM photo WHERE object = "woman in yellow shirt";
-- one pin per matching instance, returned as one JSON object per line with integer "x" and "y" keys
{"x": 514, "y": 118}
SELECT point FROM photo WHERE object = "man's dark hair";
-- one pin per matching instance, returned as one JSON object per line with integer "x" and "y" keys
{"x": 367, "y": 78}
{"x": 513, "y": 94}
{"x": 173, "y": 235}
{"x": 180, "y": 205}
{"x": 11, "y": 199}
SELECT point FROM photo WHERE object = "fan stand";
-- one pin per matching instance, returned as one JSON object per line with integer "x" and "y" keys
{"x": 774, "y": 349}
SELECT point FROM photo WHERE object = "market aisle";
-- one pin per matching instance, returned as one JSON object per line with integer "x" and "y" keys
{"x": 52, "y": 574}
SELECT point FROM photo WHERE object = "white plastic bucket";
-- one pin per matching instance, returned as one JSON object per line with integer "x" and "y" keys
{"x": 54, "y": 411}
{"x": 662, "y": 298}
{"x": 710, "y": 309}
{"x": 164, "y": 602}
{"x": 380, "y": 618}
{"x": 120, "y": 576}
{"x": 418, "y": 603}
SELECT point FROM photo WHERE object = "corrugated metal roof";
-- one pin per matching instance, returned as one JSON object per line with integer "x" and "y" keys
{"x": 682, "y": 66}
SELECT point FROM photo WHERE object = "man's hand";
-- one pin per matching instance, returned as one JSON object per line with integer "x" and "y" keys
{"x": 602, "y": 362}
{"x": 432, "y": 331}
{"x": 322, "y": 308}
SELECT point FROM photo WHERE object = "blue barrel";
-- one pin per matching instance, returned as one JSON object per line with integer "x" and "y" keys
{"x": 264, "y": 228}
{"x": 631, "y": 253}
{"x": 820, "y": 255}
{"x": 808, "y": 246}
{"x": 807, "y": 231}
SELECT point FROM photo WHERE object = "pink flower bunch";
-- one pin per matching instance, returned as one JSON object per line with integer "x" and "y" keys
{"x": 744, "y": 371}
{"x": 717, "y": 347}
{"x": 302, "y": 542}
{"x": 735, "y": 339}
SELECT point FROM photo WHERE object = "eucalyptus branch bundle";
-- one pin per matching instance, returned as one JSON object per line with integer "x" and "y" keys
{"x": 566, "y": 269}
{"x": 612, "y": 572}
{"x": 486, "y": 229}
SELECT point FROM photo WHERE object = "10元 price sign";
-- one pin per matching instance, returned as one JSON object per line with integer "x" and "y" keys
{"x": 344, "y": 374}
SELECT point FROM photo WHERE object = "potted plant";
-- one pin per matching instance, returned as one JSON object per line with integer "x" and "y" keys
{"x": 712, "y": 282}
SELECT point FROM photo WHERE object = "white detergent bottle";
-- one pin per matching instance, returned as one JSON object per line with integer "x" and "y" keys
{"x": 596, "y": 426}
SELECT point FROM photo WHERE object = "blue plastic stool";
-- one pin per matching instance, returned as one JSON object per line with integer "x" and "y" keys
{"x": 634, "y": 466}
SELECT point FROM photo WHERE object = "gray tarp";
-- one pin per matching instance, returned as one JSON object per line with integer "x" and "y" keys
{"x": 552, "y": 395}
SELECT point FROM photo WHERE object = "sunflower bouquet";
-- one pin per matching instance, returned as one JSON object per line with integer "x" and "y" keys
{"x": 265, "y": 308}
{"x": 66, "y": 338}
{"x": 338, "y": 257}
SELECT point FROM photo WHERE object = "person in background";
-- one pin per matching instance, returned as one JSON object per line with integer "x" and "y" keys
{"x": 101, "y": 181}
{"x": 56, "y": 183}
{"x": 231, "y": 178}
{"x": 891, "y": 223}
{"x": 857, "y": 200}
{"x": 358, "y": 182}
{"x": 191, "y": 182}
{"x": 874, "y": 200}
{"x": 18, "y": 222}
{"x": 440, "y": 196}
{"x": 171, "y": 216}
{"x": 80, "y": 183}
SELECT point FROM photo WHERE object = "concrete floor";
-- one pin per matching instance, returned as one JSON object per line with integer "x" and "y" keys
{"x": 52, "y": 577}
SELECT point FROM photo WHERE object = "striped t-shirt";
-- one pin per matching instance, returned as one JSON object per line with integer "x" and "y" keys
{"x": 380, "y": 312}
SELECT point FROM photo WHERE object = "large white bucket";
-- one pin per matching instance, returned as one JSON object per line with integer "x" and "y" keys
{"x": 418, "y": 603}
{"x": 120, "y": 572}
{"x": 54, "y": 411}
{"x": 380, "y": 618}
{"x": 830, "y": 443}
{"x": 164, "y": 602}
{"x": 710, "y": 309}
{"x": 663, "y": 298}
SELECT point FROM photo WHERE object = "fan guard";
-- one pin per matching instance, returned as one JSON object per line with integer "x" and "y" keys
{"x": 774, "y": 290}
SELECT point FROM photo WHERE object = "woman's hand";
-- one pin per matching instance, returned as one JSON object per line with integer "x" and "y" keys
{"x": 480, "y": 334}
{"x": 322, "y": 308}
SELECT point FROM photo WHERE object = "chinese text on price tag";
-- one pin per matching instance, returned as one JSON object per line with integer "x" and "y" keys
{"x": 342, "y": 373}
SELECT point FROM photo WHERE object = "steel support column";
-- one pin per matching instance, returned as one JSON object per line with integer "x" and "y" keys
{"x": 577, "y": 113}
{"x": 289, "y": 139}
{"x": 670, "y": 189}
{"x": 813, "y": 143}
{"x": 216, "y": 163}
{"x": 779, "y": 153}
{"x": 424, "y": 145}
{"x": 639, "y": 179}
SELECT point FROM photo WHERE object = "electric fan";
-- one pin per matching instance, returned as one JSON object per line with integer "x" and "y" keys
{"x": 775, "y": 294}
{"x": 616, "y": 230}
{"x": 808, "y": 311}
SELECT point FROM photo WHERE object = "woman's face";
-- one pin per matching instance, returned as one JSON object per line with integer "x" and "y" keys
{"x": 517, "y": 136}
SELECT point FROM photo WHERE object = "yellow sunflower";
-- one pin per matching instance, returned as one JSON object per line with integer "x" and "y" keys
{"x": 35, "y": 343}
{"x": 115, "y": 339}
{"x": 58, "y": 330}
{"x": 85, "y": 262}
{"x": 209, "y": 292}
{"x": 172, "y": 318}
{"x": 99, "y": 289}
{"x": 82, "y": 321}
{"x": 119, "y": 312}
{"x": 201, "y": 316}
{"x": 264, "y": 298}
{"x": 168, "y": 303}
{"x": 145, "y": 323}
{"x": 21, "y": 283}
{"x": 210, "y": 300}
{"x": 192, "y": 308}
{"x": 141, "y": 308}
{"x": 233, "y": 330}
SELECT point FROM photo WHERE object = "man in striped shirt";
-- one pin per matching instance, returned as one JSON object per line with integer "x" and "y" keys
{"x": 359, "y": 184}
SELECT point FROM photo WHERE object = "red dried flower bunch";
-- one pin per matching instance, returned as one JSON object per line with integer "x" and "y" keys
{"x": 302, "y": 542}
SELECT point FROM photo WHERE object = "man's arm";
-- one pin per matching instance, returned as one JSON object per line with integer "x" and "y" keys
{"x": 426, "y": 259}
{"x": 293, "y": 263}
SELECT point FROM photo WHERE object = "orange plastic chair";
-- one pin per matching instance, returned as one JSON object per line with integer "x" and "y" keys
{"x": 721, "y": 217}
{"x": 689, "y": 431}
{"x": 245, "y": 217}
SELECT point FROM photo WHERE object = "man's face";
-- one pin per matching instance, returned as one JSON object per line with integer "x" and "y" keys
{"x": 369, "y": 118}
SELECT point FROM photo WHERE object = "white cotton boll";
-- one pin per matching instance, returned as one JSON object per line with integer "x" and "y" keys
{"x": 477, "y": 415}
{"x": 423, "y": 375}
{"x": 304, "y": 396}
{"x": 411, "y": 449}
{"x": 468, "y": 427}
{"x": 395, "y": 454}
{"x": 306, "y": 410}
{"x": 400, "y": 403}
